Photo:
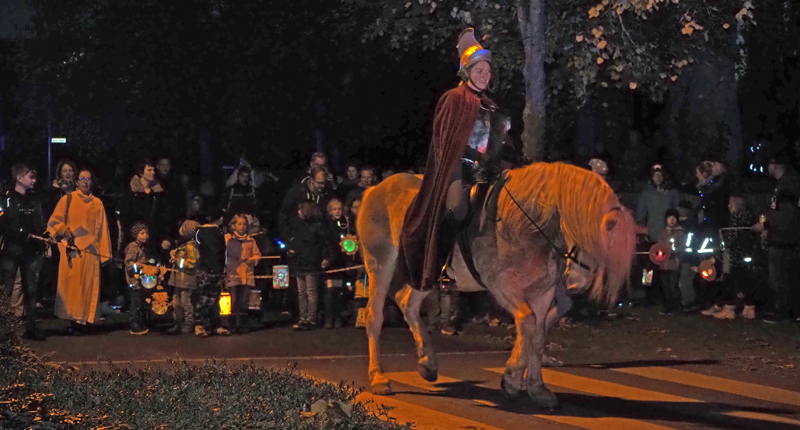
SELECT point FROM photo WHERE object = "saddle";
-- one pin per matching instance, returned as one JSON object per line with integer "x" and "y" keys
{"x": 483, "y": 198}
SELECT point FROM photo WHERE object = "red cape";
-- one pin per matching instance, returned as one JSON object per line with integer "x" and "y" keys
{"x": 453, "y": 122}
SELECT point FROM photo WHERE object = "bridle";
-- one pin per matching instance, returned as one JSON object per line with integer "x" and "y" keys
{"x": 571, "y": 255}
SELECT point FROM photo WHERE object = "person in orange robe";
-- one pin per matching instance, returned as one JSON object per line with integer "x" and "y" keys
{"x": 80, "y": 220}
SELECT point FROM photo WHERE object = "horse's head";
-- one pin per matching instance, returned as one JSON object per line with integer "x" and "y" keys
{"x": 603, "y": 273}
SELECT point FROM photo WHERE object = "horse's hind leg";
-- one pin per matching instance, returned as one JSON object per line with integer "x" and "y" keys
{"x": 541, "y": 395}
{"x": 410, "y": 301}
{"x": 379, "y": 281}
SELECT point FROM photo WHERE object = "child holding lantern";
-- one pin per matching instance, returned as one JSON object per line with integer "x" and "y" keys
{"x": 241, "y": 256}
{"x": 184, "y": 280}
{"x": 138, "y": 255}
{"x": 673, "y": 237}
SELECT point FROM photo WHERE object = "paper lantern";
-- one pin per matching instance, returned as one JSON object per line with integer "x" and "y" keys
{"x": 349, "y": 244}
{"x": 280, "y": 277}
{"x": 707, "y": 270}
{"x": 660, "y": 253}
{"x": 148, "y": 276}
{"x": 254, "y": 300}
{"x": 160, "y": 303}
{"x": 225, "y": 303}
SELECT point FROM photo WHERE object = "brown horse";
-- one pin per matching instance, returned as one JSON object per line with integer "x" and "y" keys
{"x": 516, "y": 261}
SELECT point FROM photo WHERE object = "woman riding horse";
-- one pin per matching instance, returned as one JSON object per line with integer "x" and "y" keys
{"x": 461, "y": 128}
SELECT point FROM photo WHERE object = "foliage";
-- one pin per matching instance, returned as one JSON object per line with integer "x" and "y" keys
{"x": 38, "y": 394}
{"x": 630, "y": 44}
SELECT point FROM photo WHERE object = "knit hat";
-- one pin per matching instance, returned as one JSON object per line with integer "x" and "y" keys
{"x": 188, "y": 229}
{"x": 137, "y": 228}
{"x": 672, "y": 212}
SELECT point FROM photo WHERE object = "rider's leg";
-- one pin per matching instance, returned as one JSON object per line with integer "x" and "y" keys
{"x": 457, "y": 201}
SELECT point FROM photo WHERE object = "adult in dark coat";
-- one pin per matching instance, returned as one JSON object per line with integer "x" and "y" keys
{"x": 146, "y": 201}
{"x": 313, "y": 187}
{"x": 782, "y": 228}
{"x": 460, "y": 129}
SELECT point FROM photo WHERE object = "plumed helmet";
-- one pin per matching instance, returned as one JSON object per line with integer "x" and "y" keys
{"x": 470, "y": 51}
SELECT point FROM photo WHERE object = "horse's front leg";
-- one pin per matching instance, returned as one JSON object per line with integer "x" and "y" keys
{"x": 541, "y": 395}
{"x": 410, "y": 301}
{"x": 379, "y": 288}
{"x": 513, "y": 378}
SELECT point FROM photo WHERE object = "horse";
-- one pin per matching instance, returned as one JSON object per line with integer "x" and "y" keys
{"x": 519, "y": 254}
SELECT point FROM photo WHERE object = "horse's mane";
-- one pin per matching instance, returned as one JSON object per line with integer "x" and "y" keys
{"x": 590, "y": 213}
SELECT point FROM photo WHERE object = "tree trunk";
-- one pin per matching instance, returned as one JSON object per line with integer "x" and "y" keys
{"x": 532, "y": 18}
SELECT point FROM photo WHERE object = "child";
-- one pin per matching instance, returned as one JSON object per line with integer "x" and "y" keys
{"x": 309, "y": 250}
{"x": 673, "y": 237}
{"x": 741, "y": 245}
{"x": 137, "y": 254}
{"x": 210, "y": 269}
{"x": 184, "y": 259}
{"x": 241, "y": 256}
{"x": 339, "y": 225}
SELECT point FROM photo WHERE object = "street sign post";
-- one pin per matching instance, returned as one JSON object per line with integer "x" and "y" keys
{"x": 50, "y": 143}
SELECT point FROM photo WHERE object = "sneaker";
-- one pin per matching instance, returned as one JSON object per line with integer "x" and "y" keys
{"x": 138, "y": 329}
{"x": 200, "y": 331}
{"x": 712, "y": 310}
{"x": 449, "y": 330}
{"x": 548, "y": 361}
{"x": 106, "y": 309}
{"x": 749, "y": 312}
{"x": 728, "y": 312}
{"x": 221, "y": 331}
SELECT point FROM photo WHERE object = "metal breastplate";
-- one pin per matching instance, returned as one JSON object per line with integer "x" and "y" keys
{"x": 479, "y": 139}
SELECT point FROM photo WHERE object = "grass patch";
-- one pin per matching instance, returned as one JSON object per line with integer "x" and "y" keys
{"x": 214, "y": 395}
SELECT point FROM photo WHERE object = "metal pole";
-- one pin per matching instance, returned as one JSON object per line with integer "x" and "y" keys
{"x": 49, "y": 154}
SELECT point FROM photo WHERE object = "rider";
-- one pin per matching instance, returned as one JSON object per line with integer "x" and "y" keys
{"x": 461, "y": 129}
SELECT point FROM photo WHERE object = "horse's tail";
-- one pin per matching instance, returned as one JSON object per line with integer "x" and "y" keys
{"x": 617, "y": 230}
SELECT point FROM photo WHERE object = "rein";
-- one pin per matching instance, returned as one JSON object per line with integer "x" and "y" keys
{"x": 571, "y": 255}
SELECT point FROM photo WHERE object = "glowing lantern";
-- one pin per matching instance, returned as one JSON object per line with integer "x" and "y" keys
{"x": 160, "y": 302}
{"x": 707, "y": 270}
{"x": 660, "y": 253}
{"x": 349, "y": 244}
{"x": 280, "y": 277}
{"x": 225, "y": 304}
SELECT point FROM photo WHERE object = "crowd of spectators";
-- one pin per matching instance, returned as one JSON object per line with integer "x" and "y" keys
{"x": 721, "y": 258}
{"x": 92, "y": 251}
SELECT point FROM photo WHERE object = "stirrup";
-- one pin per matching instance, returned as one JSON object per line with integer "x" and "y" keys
{"x": 447, "y": 284}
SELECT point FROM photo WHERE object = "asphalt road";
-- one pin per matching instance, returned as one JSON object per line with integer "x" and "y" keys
{"x": 639, "y": 371}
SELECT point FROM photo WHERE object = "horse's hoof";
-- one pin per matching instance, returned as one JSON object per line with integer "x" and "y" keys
{"x": 509, "y": 393}
{"x": 428, "y": 374}
{"x": 381, "y": 389}
{"x": 542, "y": 397}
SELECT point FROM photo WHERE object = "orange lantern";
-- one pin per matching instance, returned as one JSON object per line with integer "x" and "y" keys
{"x": 707, "y": 270}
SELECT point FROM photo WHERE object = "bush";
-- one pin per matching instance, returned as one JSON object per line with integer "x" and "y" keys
{"x": 40, "y": 395}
